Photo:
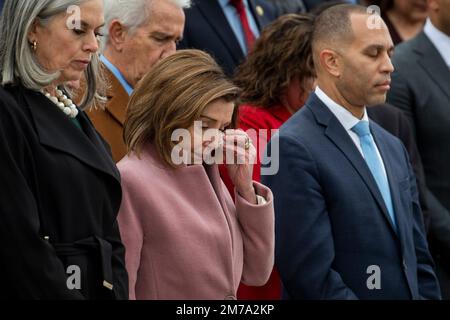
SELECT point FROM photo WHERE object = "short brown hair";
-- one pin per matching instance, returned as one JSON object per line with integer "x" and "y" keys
{"x": 172, "y": 96}
{"x": 282, "y": 52}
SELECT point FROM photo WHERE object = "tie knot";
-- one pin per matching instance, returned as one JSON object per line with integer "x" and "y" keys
{"x": 238, "y": 4}
{"x": 361, "y": 128}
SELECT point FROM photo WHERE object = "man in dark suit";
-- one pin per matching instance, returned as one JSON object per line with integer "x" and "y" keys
{"x": 216, "y": 26}
{"x": 421, "y": 88}
{"x": 395, "y": 122}
{"x": 348, "y": 220}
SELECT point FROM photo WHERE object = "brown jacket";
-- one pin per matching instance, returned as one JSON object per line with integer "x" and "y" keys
{"x": 109, "y": 122}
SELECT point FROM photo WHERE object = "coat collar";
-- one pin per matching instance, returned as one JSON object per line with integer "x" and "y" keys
{"x": 55, "y": 130}
{"x": 432, "y": 62}
{"x": 258, "y": 14}
{"x": 338, "y": 135}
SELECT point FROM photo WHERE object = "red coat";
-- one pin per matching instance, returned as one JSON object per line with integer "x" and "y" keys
{"x": 251, "y": 117}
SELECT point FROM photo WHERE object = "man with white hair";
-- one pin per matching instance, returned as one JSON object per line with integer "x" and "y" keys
{"x": 138, "y": 33}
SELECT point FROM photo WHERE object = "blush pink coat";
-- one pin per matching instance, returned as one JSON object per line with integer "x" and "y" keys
{"x": 184, "y": 236}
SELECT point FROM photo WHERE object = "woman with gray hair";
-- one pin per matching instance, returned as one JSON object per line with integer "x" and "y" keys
{"x": 59, "y": 189}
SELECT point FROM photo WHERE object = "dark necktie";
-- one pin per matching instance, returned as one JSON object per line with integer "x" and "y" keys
{"x": 249, "y": 36}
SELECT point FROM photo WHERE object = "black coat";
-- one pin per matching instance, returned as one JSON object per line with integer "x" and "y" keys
{"x": 59, "y": 197}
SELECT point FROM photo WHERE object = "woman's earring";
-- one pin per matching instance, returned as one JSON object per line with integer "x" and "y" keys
{"x": 34, "y": 45}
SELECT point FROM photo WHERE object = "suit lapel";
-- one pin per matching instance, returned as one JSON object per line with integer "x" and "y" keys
{"x": 258, "y": 14}
{"x": 56, "y": 131}
{"x": 393, "y": 181}
{"x": 338, "y": 135}
{"x": 213, "y": 14}
{"x": 117, "y": 98}
{"x": 432, "y": 63}
{"x": 258, "y": 17}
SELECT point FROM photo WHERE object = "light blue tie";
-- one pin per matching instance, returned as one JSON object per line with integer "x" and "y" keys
{"x": 373, "y": 162}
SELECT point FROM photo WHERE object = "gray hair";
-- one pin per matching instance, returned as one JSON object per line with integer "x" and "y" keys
{"x": 18, "y": 64}
{"x": 131, "y": 13}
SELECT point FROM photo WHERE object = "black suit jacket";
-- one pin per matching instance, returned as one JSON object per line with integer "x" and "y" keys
{"x": 421, "y": 88}
{"x": 60, "y": 194}
{"x": 208, "y": 29}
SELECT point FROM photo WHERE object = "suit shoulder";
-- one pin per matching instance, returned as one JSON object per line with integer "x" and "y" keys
{"x": 300, "y": 126}
{"x": 300, "y": 135}
{"x": 405, "y": 52}
{"x": 406, "y": 46}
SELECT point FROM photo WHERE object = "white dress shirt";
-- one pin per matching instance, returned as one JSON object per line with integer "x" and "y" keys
{"x": 439, "y": 39}
{"x": 348, "y": 121}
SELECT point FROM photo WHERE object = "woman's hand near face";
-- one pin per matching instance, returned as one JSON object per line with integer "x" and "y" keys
{"x": 240, "y": 166}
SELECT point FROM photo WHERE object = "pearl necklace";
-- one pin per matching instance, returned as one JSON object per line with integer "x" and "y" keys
{"x": 65, "y": 104}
